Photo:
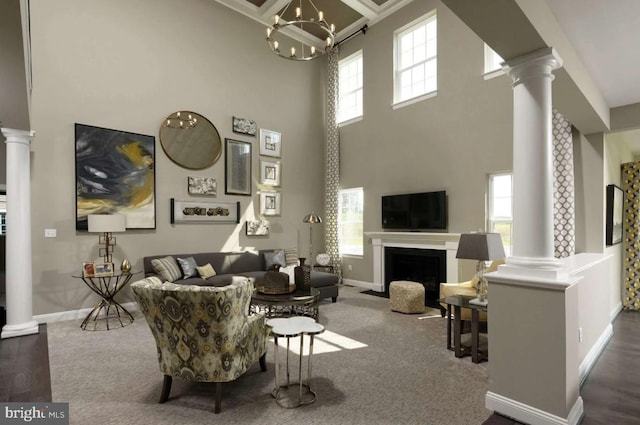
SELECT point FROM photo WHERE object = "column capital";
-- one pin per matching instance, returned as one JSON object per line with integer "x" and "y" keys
{"x": 17, "y": 136}
{"x": 539, "y": 63}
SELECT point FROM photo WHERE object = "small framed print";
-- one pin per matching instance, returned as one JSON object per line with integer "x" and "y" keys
{"x": 270, "y": 143}
{"x": 202, "y": 186}
{"x": 244, "y": 126}
{"x": 270, "y": 202}
{"x": 103, "y": 269}
{"x": 270, "y": 172}
{"x": 88, "y": 270}
{"x": 257, "y": 227}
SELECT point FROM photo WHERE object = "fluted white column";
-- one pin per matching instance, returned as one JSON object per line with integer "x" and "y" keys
{"x": 18, "y": 275}
{"x": 533, "y": 225}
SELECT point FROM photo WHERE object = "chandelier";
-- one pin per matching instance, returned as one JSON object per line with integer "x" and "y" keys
{"x": 181, "y": 120}
{"x": 301, "y": 24}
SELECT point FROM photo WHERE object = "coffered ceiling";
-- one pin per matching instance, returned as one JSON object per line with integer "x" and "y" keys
{"x": 347, "y": 15}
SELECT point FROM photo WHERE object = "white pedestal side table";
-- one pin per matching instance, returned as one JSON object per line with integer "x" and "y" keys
{"x": 291, "y": 327}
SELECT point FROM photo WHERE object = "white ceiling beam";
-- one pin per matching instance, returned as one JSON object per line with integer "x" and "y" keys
{"x": 271, "y": 7}
{"x": 366, "y": 8}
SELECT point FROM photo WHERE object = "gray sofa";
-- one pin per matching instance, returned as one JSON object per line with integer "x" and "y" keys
{"x": 246, "y": 263}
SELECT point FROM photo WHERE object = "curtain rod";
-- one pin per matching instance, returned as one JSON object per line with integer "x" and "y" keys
{"x": 362, "y": 30}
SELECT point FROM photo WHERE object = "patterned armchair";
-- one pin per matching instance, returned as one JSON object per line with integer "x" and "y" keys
{"x": 203, "y": 333}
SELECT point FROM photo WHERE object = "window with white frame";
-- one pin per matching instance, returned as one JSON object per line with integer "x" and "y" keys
{"x": 350, "y": 221}
{"x": 492, "y": 61}
{"x": 500, "y": 216}
{"x": 415, "y": 59}
{"x": 350, "y": 87}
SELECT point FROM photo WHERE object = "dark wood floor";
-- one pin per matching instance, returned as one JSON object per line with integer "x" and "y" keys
{"x": 612, "y": 390}
{"x": 610, "y": 393}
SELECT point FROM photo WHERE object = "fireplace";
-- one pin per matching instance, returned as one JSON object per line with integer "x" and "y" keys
{"x": 425, "y": 266}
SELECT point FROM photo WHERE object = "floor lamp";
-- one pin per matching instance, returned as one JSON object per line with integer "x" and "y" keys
{"x": 311, "y": 219}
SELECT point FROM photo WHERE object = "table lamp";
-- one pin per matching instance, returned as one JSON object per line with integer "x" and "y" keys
{"x": 311, "y": 219}
{"x": 482, "y": 247}
{"x": 106, "y": 224}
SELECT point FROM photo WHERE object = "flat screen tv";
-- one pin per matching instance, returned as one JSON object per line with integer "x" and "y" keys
{"x": 415, "y": 211}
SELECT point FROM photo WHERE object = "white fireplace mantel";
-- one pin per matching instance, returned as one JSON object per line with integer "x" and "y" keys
{"x": 420, "y": 240}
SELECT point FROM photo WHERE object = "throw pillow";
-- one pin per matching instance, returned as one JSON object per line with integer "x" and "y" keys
{"x": 206, "y": 271}
{"x": 188, "y": 266}
{"x": 167, "y": 268}
{"x": 291, "y": 256}
{"x": 274, "y": 258}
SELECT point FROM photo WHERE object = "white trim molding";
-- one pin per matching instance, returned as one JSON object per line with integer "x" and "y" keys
{"x": 530, "y": 415}
{"x": 79, "y": 314}
{"x": 594, "y": 353}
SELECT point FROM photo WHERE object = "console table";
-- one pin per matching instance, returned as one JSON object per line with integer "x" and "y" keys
{"x": 291, "y": 327}
{"x": 107, "y": 287}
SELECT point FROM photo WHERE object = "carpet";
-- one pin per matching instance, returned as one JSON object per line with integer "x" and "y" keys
{"x": 374, "y": 367}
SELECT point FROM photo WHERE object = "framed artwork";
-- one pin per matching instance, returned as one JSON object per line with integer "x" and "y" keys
{"x": 202, "y": 186}
{"x": 270, "y": 143}
{"x": 244, "y": 126}
{"x": 204, "y": 212}
{"x": 257, "y": 227}
{"x": 269, "y": 202}
{"x": 237, "y": 167}
{"x": 115, "y": 174}
{"x": 103, "y": 269}
{"x": 615, "y": 205}
{"x": 270, "y": 172}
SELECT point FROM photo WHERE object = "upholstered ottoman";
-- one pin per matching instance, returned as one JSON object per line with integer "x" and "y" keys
{"x": 406, "y": 296}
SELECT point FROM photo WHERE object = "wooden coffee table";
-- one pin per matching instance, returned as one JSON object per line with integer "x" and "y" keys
{"x": 297, "y": 303}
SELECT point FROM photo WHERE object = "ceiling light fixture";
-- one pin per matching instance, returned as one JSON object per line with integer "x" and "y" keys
{"x": 315, "y": 25}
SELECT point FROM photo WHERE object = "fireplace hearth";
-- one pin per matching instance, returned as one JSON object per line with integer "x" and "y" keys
{"x": 425, "y": 266}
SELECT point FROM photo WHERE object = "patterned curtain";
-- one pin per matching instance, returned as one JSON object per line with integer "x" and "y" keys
{"x": 332, "y": 166}
{"x": 563, "y": 187}
{"x": 631, "y": 232}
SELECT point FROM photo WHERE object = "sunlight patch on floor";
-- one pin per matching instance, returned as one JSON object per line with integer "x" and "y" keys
{"x": 325, "y": 342}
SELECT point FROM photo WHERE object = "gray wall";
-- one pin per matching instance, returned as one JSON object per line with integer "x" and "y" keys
{"x": 13, "y": 87}
{"x": 126, "y": 65}
{"x": 449, "y": 142}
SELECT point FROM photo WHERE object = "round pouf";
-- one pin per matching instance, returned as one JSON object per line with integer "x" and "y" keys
{"x": 406, "y": 296}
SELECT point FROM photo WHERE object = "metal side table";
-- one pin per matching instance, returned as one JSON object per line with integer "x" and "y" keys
{"x": 288, "y": 328}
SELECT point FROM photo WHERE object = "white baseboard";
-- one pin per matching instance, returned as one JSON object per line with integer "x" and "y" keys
{"x": 75, "y": 314}
{"x": 615, "y": 311}
{"x": 592, "y": 356}
{"x": 361, "y": 284}
{"x": 531, "y": 415}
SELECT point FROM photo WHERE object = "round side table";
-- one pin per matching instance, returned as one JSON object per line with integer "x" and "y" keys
{"x": 291, "y": 327}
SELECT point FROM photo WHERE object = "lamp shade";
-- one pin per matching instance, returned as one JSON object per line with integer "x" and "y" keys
{"x": 480, "y": 246}
{"x": 109, "y": 223}
{"x": 312, "y": 219}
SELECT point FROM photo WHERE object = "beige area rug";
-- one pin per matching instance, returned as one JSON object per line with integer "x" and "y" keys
{"x": 371, "y": 366}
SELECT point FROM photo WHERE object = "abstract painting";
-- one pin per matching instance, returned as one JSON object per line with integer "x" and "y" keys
{"x": 115, "y": 173}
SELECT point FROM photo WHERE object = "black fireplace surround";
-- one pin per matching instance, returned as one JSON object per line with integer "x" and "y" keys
{"x": 425, "y": 266}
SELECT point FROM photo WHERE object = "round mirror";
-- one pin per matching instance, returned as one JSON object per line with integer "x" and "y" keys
{"x": 190, "y": 140}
